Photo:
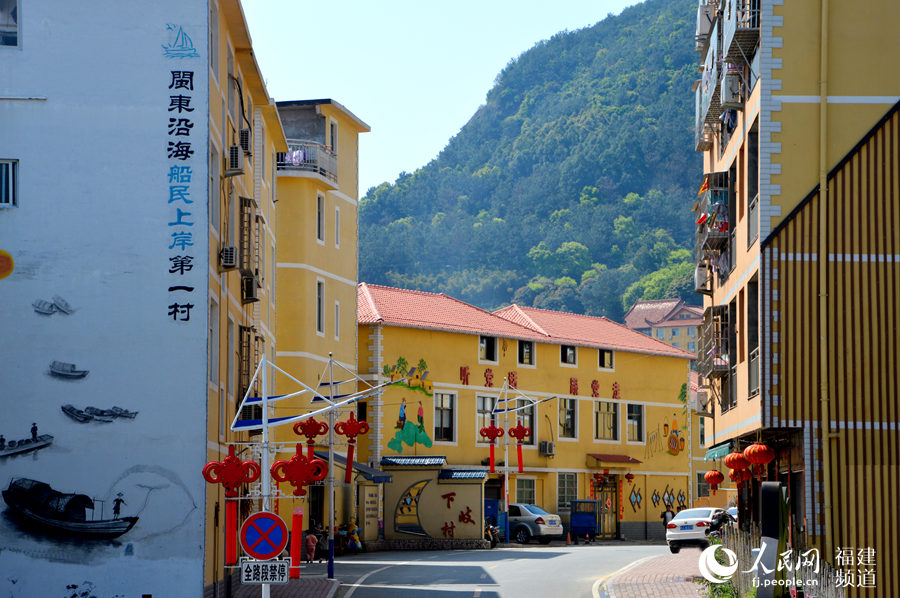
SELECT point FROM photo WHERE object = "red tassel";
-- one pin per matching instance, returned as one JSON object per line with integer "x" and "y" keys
{"x": 349, "y": 469}
{"x": 519, "y": 451}
{"x": 296, "y": 542}
{"x": 230, "y": 532}
{"x": 492, "y": 457}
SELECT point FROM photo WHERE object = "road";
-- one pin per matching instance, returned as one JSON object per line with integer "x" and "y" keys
{"x": 515, "y": 572}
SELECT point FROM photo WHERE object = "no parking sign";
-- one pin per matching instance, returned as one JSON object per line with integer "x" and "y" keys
{"x": 264, "y": 535}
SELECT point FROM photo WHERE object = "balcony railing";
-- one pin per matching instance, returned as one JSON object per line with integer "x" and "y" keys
{"x": 309, "y": 156}
{"x": 709, "y": 83}
{"x": 753, "y": 221}
{"x": 706, "y": 14}
{"x": 703, "y": 134}
{"x": 740, "y": 29}
{"x": 754, "y": 372}
{"x": 712, "y": 358}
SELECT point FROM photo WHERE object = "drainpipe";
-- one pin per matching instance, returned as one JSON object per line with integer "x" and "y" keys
{"x": 825, "y": 425}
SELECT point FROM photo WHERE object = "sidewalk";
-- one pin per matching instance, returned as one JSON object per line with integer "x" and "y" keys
{"x": 669, "y": 575}
{"x": 305, "y": 587}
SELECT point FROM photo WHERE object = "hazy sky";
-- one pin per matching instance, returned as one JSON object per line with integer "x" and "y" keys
{"x": 414, "y": 70}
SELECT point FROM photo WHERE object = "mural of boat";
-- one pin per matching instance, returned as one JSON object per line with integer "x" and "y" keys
{"x": 182, "y": 47}
{"x": 76, "y": 414}
{"x": 62, "y": 305}
{"x": 66, "y": 370}
{"x": 119, "y": 412}
{"x": 15, "y": 447}
{"x": 42, "y": 306}
{"x": 37, "y": 504}
{"x": 93, "y": 411}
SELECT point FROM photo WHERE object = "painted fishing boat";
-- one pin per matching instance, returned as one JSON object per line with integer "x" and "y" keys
{"x": 76, "y": 414}
{"x": 119, "y": 412}
{"x": 42, "y": 306}
{"x": 38, "y": 505}
{"x": 93, "y": 411}
{"x": 16, "y": 447}
{"x": 66, "y": 370}
{"x": 62, "y": 305}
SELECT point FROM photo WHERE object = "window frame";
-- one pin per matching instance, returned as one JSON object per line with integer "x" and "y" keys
{"x": 482, "y": 349}
{"x": 18, "y": 28}
{"x": 533, "y": 354}
{"x": 214, "y": 39}
{"x": 452, "y": 409}
{"x": 320, "y": 307}
{"x": 320, "y": 219}
{"x": 571, "y": 492}
{"x": 529, "y": 481}
{"x": 563, "y": 353}
{"x": 480, "y": 414}
{"x": 529, "y": 421}
{"x": 615, "y": 427}
{"x": 640, "y": 423}
{"x": 612, "y": 360}
{"x": 11, "y": 183}
{"x": 337, "y": 320}
{"x": 560, "y": 411}
{"x": 702, "y": 485}
{"x": 337, "y": 227}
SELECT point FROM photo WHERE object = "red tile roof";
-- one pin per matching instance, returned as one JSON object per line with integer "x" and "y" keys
{"x": 643, "y": 313}
{"x": 565, "y": 328}
{"x": 436, "y": 311}
{"x": 671, "y": 319}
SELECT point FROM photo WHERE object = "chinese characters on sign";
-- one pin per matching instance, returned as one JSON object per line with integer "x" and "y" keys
{"x": 180, "y": 152}
{"x": 259, "y": 572}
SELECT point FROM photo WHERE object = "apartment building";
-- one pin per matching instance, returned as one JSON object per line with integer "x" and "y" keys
{"x": 796, "y": 116}
{"x": 670, "y": 320}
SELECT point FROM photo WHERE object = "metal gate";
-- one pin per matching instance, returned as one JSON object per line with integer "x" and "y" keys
{"x": 608, "y": 495}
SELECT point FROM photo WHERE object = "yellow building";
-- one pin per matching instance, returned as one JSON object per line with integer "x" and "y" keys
{"x": 798, "y": 102}
{"x": 668, "y": 320}
{"x": 614, "y": 402}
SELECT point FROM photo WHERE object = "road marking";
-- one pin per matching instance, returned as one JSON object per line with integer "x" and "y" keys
{"x": 595, "y": 589}
{"x": 460, "y": 587}
{"x": 364, "y": 577}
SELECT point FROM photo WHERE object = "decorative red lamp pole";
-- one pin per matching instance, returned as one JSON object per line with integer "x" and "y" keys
{"x": 350, "y": 429}
{"x": 310, "y": 428}
{"x": 231, "y": 472}
{"x": 491, "y": 433}
{"x": 520, "y": 433}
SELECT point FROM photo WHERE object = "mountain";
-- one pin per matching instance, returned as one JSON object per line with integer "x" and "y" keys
{"x": 568, "y": 189}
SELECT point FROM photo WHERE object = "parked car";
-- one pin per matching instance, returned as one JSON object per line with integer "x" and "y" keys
{"x": 688, "y": 528}
{"x": 733, "y": 512}
{"x": 531, "y": 521}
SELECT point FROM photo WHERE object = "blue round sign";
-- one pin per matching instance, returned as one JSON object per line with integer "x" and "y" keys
{"x": 264, "y": 535}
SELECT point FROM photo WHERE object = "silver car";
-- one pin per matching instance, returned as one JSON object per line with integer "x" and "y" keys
{"x": 531, "y": 521}
{"x": 688, "y": 528}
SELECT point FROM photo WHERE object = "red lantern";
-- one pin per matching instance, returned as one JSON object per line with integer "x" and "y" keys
{"x": 231, "y": 472}
{"x": 714, "y": 477}
{"x": 310, "y": 428}
{"x": 350, "y": 428}
{"x": 739, "y": 476}
{"x": 736, "y": 461}
{"x": 299, "y": 471}
{"x": 491, "y": 433}
{"x": 629, "y": 476}
{"x": 520, "y": 433}
{"x": 759, "y": 455}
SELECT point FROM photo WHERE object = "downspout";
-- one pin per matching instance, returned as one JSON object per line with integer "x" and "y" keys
{"x": 825, "y": 424}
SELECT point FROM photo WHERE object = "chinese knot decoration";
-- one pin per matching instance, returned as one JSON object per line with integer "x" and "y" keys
{"x": 231, "y": 472}
{"x": 310, "y": 428}
{"x": 299, "y": 471}
{"x": 350, "y": 428}
{"x": 759, "y": 455}
{"x": 714, "y": 477}
{"x": 520, "y": 433}
{"x": 491, "y": 433}
{"x": 629, "y": 476}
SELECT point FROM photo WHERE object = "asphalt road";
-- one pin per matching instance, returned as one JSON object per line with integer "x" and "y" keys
{"x": 534, "y": 570}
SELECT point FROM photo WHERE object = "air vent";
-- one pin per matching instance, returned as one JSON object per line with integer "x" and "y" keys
{"x": 228, "y": 257}
{"x": 547, "y": 448}
{"x": 245, "y": 140}
{"x": 235, "y": 161}
{"x": 249, "y": 292}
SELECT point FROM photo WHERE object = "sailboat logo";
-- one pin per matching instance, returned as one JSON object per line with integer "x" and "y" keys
{"x": 182, "y": 47}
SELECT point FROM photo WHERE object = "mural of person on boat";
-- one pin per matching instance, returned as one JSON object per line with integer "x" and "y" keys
{"x": 104, "y": 424}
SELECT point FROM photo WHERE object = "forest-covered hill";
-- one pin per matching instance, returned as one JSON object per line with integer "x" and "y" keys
{"x": 570, "y": 188}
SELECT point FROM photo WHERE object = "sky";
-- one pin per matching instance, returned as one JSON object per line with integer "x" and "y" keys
{"x": 415, "y": 71}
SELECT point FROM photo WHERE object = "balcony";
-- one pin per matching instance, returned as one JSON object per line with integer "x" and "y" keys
{"x": 703, "y": 133}
{"x": 712, "y": 357}
{"x": 709, "y": 83}
{"x": 754, "y": 373}
{"x": 309, "y": 157}
{"x": 712, "y": 230}
{"x": 706, "y": 14}
{"x": 740, "y": 30}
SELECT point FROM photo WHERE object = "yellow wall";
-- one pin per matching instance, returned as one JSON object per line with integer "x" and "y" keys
{"x": 432, "y": 509}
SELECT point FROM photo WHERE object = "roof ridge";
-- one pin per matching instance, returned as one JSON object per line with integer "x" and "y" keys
{"x": 390, "y": 288}
{"x": 364, "y": 288}
{"x": 533, "y": 325}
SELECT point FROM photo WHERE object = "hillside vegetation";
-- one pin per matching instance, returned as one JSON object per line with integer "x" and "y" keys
{"x": 568, "y": 189}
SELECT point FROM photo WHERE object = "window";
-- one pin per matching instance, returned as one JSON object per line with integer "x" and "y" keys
{"x": 9, "y": 23}
{"x": 362, "y": 409}
{"x": 230, "y": 361}
{"x": 526, "y": 416}
{"x": 9, "y": 171}
{"x": 320, "y": 307}
{"x": 525, "y": 491}
{"x": 334, "y": 136}
{"x": 702, "y": 486}
{"x": 443, "y": 416}
{"x": 337, "y": 320}
{"x": 660, "y": 334}
{"x": 484, "y": 414}
{"x": 213, "y": 336}
{"x": 675, "y": 332}
{"x": 702, "y": 438}
{"x": 606, "y": 420}
{"x": 675, "y": 345}
{"x": 214, "y": 39}
{"x": 213, "y": 187}
{"x": 567, "y": 421}
{"x": 272, "y": 267}
{"x": 567, "y": 354}
{"x": 634, "y": 425}
{"x": 692, "y": 332}
{"x": 692, "y": 347}
{"x": 606, "y": 359}
{"x": 487, "y": 348}
{"x": 320, "y": 218}
{"x": 231, "y": 91}
{"x": 566, "y": 490}
{"x": 337, "y": 226}
{"x": 526, "y": 353}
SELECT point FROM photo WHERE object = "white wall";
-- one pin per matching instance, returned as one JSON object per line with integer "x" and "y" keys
{"x": 92, "y": 227}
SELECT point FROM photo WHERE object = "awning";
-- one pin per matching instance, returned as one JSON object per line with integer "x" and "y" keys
{"x": 414, "y": 461}
{"x": 717, "y": 452}
{"x": 597, "y": 459}
{"x": 369, "y": 473}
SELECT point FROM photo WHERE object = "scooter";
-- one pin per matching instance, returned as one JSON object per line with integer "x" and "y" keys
{"x": 491, "y": 533}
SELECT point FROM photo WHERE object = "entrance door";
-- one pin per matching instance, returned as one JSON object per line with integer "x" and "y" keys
{"x": 316, "y": 496}
{"x": 608, "y": 495}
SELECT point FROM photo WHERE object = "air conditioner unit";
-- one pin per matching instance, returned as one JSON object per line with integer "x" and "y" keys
{"x": 249, "y": 293}
{"x": 245, "y": 140}
{"x": 547, "y": 448}
{"x": 235, "y": 161}
{"x": 229, "y": 257}
{"x": 730, "y": 92}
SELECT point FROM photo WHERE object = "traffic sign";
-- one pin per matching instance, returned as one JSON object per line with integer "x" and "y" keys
{"x": 260, "y": 572}
{"x": 264, "y": 535}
